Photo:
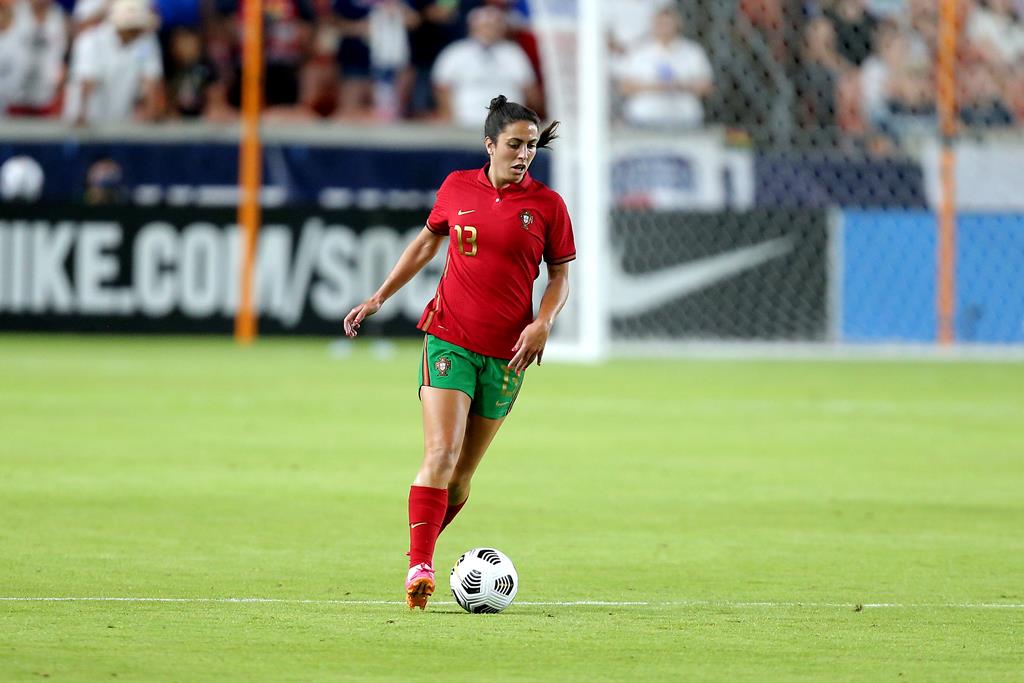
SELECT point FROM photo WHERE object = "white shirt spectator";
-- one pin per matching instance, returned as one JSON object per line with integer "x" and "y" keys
{"x": 681, "y": 61}
{"x": 998, "y": 32}
{"x": 388, "y": 38}
{"x": 44, "y": 45}
{"x": 11, "y": 66}
{"x": 88, "y": 10}
{"x": 888, "y": 9}
{"x": 476, "y": 74}
{"x": 629, "y": 21}
{"x": 874, "y": 83}
{"x": 119, "y": 71}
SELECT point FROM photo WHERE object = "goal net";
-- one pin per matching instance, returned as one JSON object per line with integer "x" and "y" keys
{"x": 743, "y": 172}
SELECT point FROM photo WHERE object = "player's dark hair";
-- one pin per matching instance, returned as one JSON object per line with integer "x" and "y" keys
{"x": 501, "y": 112}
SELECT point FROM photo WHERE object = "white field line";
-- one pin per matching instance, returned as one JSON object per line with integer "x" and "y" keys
{"x": 567, "y": 603}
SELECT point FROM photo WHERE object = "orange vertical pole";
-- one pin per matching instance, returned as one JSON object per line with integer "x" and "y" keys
{"x": 946, "y": 252}
{"x": 249, "y": 164}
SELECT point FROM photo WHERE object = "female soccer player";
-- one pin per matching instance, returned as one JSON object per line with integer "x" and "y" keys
{"x": 480, "y": 331}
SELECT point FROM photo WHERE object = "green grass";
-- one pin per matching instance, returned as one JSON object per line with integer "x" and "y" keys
{"x": 766, "y": 499}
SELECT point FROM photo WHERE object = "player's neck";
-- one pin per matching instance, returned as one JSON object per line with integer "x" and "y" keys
{"x": 498, "y": 184}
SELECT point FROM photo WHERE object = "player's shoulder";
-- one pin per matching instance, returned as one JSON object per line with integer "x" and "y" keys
{"x": 545, "y": 193}
{"x": 460, "y": 180}
{"x": 463, "y": 175}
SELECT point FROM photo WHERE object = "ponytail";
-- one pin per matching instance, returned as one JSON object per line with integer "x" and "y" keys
{"x": 501, "y": 112}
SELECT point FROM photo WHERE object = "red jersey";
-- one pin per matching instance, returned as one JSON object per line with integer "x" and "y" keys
{"x": 498, "y": 239}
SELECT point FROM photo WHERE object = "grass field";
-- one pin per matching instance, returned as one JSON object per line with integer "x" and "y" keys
{"x": 743, "y": 521}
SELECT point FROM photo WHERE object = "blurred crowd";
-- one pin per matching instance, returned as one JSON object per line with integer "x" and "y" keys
{"x": 866, "y": 70}
{"x": 860, "y": 69}
{"x": 104, "y": 61}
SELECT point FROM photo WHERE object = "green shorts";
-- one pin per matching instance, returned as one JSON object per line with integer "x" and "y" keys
{"x": 491, "y": 384}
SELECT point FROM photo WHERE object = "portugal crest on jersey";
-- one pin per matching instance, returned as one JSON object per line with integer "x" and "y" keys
{"x": 526, "y": 218}
{"x": 443, "y": 365}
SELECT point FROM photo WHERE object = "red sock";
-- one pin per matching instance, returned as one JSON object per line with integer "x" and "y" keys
{"x": 427, "y": 507}
{"x": 450, "y": 513}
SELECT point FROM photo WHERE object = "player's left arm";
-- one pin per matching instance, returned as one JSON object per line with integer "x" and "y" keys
{"x": 535, "y": 335}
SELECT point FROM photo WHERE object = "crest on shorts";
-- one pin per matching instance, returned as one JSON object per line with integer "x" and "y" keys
{"x": 443, "y": 365}
{"x": 526, "y": 218}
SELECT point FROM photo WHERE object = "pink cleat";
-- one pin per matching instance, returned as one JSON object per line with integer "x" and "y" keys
{"x": 419, "y": 585}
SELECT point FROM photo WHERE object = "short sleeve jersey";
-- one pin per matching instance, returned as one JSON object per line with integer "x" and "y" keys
{"x": 497, "y": 241}
{"x": 118, "y": 70}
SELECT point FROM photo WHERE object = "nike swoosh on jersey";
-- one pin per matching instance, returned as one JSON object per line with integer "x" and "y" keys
{"x": 631, "y": 294}
{"x": 463, "y": 213}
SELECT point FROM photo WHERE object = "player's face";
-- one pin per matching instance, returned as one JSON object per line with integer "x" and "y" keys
{"x": 513, "y": 152}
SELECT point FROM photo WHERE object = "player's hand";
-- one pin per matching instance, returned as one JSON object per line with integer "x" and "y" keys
{"x": 356, "y": 316}
{"x": 530, "y": 345}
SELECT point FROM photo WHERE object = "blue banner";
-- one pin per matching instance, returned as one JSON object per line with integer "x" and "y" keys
{"x": 204, "y": 173}
{"x": 889, "y": 277}
{"x": 788, "y": 179}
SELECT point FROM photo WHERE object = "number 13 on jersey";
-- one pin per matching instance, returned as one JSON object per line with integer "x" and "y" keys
{"x": 466, "y": 237}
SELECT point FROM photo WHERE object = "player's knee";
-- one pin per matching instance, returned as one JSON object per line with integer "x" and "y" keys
{"x": 440, "y": 461}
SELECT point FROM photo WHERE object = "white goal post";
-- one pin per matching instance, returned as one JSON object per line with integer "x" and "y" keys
{"x": 571, "y": 33}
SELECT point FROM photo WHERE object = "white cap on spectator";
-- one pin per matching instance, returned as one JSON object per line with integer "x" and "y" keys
{"x": 89, "y": 9}
{"x": 132, "y": 14}
{"x": 21, "y": 178}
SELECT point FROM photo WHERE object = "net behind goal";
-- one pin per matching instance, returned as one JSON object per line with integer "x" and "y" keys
{"x": 777, "y": 217}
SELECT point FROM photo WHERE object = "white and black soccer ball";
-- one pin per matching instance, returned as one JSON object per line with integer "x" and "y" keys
{"x": 484, "y": 580}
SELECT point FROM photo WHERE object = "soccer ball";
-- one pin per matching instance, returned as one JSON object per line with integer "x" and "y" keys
{"x": 484, "y": 580}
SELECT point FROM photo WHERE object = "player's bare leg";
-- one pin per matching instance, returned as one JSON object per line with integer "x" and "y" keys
{"x": 445, "y": 416}
{"x": 445, "y": 421}
{"x": 480, "y": 433}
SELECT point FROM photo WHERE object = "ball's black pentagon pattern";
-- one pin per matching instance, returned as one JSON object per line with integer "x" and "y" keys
{"x": 505, "y": 584}
{"x": 472, "y": 582}
{"x": 489, "y": 555}
{"x": 483, "y": 581}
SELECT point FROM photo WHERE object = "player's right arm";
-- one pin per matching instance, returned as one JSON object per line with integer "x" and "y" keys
{"x": 417, "y": 255}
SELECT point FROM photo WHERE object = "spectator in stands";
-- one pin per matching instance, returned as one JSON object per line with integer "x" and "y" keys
{"x": 287, "y": 41}
{"x": 319, "y": 90}
{"x": 21, "y": 177}
{"x": 520, "y": 31}
{"x": 388, "y": 37}
{"x": 88, "y": 13}
{"x": 104, "y": 183}
{"x": 193, "y": 89}
{"x": 820, "y": 70}
{"x": 887, "y": 10}
{"x": 663, "y": 82}
{"x": 115, "y": 65}
{"x": 629, "y": 22}
{"x": 996, "y": 31}
{"x": 435, "y": 28}
{"x": 352, "y": 20}
{"x": 854, "y": 27}
{"x": 981, "y": 103}
{"x": 923, "y": 30}
{"x": 897, "y": 95}
{"x": 470, "y": 72}
{"x": 43, "y": 26}
{"x": 11, "y": 64}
